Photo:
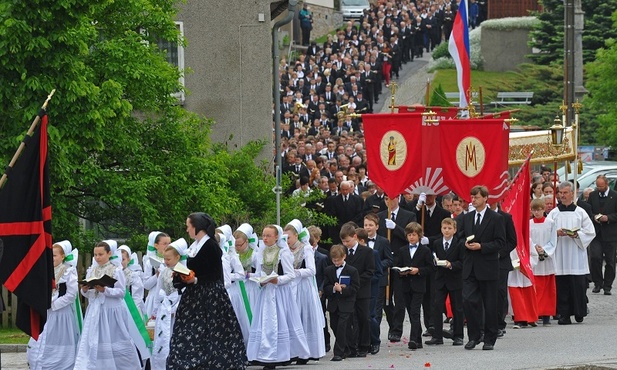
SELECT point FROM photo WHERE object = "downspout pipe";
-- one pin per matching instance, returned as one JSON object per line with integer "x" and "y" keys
{"x": 291, "y": 10}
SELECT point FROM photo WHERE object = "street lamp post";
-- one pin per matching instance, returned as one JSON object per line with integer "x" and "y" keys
{"x": 557, "y": 134}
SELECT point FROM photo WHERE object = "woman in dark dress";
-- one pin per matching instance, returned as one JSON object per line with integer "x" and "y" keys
{"x": 206, "y": 332}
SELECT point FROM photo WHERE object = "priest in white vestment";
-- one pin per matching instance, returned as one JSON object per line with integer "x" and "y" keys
{"x": 571, "y": 234}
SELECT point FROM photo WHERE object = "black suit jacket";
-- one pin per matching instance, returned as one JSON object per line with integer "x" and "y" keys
{"x": 345, "y": 300}
{"x": 607, "y": 231}
{"x": 374, "y": 200}
{"x": 397, "y": 235}
{"x": 344, "y": 212}
{"x": 422, "y": 259}
{"x": 505, "y": 262}
{"x": 364, "y": 262}
{"x": 491, "y": 234}
{"x": 432, "y": 223}
{"x": 382, "y": 246}
{"x": 450, "y": 278}
{"x": 321, "y": 262}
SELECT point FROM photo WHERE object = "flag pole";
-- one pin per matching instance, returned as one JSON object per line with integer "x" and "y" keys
{"x": 36, "y": 121}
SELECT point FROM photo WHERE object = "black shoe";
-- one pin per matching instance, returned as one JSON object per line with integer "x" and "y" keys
{"x": 596, "y": 289}
{"x": 374, "y": 349}
{"x": 337, "y": 358}
{"x": 302, "y": 361}
{"x": 579, "y": 318}
{"x": 412, "y": 345}
{"x": 448, "y": 334}
{"x": 429, "y": 332}
{"x": 564, "y": 321}
{"x": 433, "y": 341}
{"x": 487, "y": 347}
{"x": 500, "y": 333}
{"x": 352, "y": 355}
{"x": 361, "y": 354}
{"x": 269, "y": 367}
{"x": 607, "y": 292}
{"x": 394, "y": 338}
{"x": 471, "y": 344}
{"x": 457, "y": 342}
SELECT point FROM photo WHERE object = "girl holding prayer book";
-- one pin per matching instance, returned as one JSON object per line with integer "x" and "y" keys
{"x": 276, "y": 344}
{"x": 56, "y": 347}
{"x": 106, "y": 342}
{"x": 168, "y": 299}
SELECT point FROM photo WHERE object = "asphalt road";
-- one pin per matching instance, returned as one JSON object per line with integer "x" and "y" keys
{"x": 592, "y": 342}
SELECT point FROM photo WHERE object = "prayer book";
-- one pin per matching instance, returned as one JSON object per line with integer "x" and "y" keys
{"x": 156, "y": 261}
{"x": 401, "y": 269}
{"x": 181, "y": 269}
{"x": 344, "y": 280}
{"x": 102, "y": 281}
{"x": 264, "y": 279}
{"x": 571, "y": 232}
{"x": 471, "y": 239}
{"x": 516, "y": 264}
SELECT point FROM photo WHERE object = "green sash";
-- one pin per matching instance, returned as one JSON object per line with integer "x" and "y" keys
{"x": 137, "y": 318}
{"x": 245, "y": 298}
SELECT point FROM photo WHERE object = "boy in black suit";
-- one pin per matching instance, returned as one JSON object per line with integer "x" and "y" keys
{"x": 448, "y": 281}
{"x": 341, "y": 297}
{"x": 360, "y": 257}
{"x": 415, "y": 263}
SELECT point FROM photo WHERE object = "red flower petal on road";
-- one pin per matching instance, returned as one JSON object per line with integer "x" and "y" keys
{"x": 428, "y": 364}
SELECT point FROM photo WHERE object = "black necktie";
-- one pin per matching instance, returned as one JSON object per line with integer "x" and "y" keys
{"x": 478, "y": 220}
{"x": 393, "y": 216}
{"x": 351, "y": 253}
{"x": 297, "y": 168}
{"x": 446, "y": 246}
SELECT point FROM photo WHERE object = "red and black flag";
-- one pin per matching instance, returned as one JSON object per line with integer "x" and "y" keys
{"x": 26, "y": 266}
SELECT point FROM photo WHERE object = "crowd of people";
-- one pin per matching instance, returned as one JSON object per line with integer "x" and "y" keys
{"x": 233, "y": 299}
{"x": 348, "y": 72}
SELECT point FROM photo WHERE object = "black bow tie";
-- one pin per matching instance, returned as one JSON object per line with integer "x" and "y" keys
{"x": 371, "y": 239}
{"x": 339, "y": 267}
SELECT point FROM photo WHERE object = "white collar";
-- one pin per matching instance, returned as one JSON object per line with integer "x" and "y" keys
{"x": 196, "y": 246}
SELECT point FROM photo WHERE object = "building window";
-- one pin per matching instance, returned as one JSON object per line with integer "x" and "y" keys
{"x": 175, "y": 56}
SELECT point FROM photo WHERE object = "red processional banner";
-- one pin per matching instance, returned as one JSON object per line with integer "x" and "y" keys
{"x": 393, "y": 150}
{"x": 517, "y": 203}
{"x": 475, "y": 152}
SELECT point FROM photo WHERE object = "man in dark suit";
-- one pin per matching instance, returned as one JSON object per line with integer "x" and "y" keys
{"x": 481, "y": 267}
{"x": 602, "y": 248}
{"x": 448, "y": 282}
{"x": 418, "y": 258}
{"x": 395, "y": 221}
{"x": 360, "y": 257}
{"x": 344, "y": 207}
{"x": 380, "y": 245}
{"x": 375, "y": 203}
{"x": 505, "y": 266}
{"x": 341, "y": 298}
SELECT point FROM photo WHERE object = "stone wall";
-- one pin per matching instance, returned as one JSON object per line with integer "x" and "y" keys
{"x": 503, "y": 50}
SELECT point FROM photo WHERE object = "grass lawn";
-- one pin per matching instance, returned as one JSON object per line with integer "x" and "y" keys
{"x": 13, "y": 336}
{"x": 491, "y": 82}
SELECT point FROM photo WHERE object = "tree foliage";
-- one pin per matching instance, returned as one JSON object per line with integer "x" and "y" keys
{"x": 548, "y": 34}
{"x": 124, "y": 156}
{"x": 602, "y": 84}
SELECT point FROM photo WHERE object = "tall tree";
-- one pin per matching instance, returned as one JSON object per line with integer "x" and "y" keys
{"x": 548, "y": 35}
{"x": 602, "y": 85}
{"x": 124, "y": 155}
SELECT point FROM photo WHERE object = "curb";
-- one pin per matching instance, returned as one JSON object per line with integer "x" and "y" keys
{"x": 13, "y": 348}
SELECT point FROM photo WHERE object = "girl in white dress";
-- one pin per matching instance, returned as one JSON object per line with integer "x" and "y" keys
{"x": 246, "y": 242}
{"x": 157, "y": 243}
{"x": 168, "y": 299}
{"x": 56, "y": 346}
{"x": 132, "y": 273}
{"x": 305, "y": 286}
{"x": 276, "y": 335}
{"x": 106, "y": 342}
{"x": 233, "y": 274}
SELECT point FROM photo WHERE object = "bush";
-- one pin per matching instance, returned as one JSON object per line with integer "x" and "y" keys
{"x": 443, "y": 60}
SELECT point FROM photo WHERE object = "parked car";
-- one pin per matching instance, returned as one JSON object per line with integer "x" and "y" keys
{"x": 591, "y": 170}
{"x": 354, "y": 9}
